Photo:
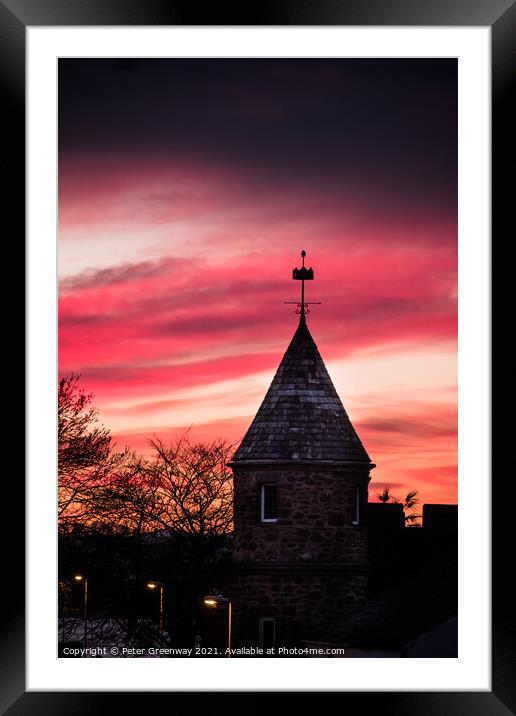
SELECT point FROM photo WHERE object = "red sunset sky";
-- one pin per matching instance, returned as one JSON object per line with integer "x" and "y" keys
{"x": 187, "y": 189}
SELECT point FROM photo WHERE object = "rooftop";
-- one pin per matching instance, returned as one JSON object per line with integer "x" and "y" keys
{"x": 301, "y": 418}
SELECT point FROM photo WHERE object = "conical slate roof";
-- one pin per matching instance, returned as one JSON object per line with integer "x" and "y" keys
{"x": 301, "y": 417}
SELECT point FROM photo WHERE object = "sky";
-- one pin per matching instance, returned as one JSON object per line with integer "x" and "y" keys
{"x": 188, "y": 188}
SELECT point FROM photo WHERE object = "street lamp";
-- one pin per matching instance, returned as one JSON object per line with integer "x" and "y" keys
{"x": 81, "y": 578}
{"x": 159, "y": 585}
{"x": 214, "y": 601}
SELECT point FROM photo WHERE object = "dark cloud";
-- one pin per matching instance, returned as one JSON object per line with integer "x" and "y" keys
{"x": 388, "y": 126}
{"x": 125, "y": 273}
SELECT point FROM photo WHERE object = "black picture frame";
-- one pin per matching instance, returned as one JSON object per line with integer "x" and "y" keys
{"x": 15, "y": 17}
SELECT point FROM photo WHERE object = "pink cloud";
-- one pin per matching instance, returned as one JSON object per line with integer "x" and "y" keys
{"x": 213, "y": 310}
{"x": 177, "y": 309}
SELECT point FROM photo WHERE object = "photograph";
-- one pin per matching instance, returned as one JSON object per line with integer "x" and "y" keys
{"x": 257, "y": 357}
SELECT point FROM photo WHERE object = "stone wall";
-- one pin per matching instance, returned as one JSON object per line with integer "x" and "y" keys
{"x": 316, "y": 509}
{"x": 302, "y": 604}
{"x": 307, "y": 568}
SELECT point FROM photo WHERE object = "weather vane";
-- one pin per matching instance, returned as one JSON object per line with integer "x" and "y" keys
{"x": 303, "y": 274}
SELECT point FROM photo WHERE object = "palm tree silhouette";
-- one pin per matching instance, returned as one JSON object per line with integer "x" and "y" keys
{"x": 409, "y": 503}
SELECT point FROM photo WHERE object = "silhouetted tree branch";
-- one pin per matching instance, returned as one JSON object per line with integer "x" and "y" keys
{"x": 85, "y": 454}
{"x": 409, "y": 503}
{"x": 195, "y": 485}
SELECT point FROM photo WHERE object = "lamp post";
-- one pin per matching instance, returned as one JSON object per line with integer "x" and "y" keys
{"x": 81, "y": 578}
{"x": 214, "y": 601}
{"x": 159, "y": 585}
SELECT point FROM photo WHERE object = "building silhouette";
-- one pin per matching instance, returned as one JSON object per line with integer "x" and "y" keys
{"x": 301, "y": 479}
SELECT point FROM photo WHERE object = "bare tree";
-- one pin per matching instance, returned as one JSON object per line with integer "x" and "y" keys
{"x": 182, "y": 492}
{"x": 195, "y": 486}
{"x": 85, "y": 454}
{"x": 129, "y": 504}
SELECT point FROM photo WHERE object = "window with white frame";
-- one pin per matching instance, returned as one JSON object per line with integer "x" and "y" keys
{"x": 266, "y": 632}
{"x": 356, "y": 513}
{"x": 269, "y": 503}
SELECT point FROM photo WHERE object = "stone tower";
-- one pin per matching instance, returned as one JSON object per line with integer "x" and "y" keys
{"x": 301, "y": 479}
